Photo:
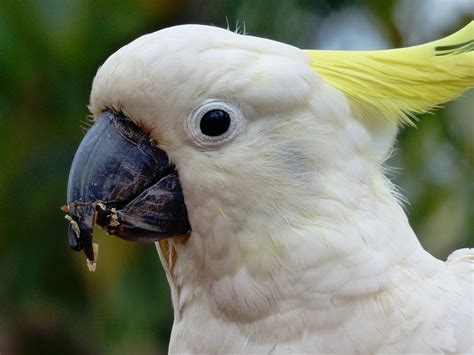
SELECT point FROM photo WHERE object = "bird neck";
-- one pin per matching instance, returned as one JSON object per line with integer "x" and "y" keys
{"x": 336, "y": 247}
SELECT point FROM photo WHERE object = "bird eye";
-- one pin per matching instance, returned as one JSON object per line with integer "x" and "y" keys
{"x": 214, "y": 123}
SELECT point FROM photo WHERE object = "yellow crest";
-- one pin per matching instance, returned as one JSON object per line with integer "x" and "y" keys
{"x": 397, "y": 83}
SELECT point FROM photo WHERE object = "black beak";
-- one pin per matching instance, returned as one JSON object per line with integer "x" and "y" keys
{"x": 123, "y": 182}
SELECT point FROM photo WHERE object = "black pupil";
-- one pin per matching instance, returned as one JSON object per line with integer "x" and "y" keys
{"x": 214, "y": 123}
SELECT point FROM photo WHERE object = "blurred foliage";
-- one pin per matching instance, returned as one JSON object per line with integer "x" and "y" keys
{"x": 50, "y": 51}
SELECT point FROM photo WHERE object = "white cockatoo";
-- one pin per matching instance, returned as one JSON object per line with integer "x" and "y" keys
{"x": 257, "y": 168}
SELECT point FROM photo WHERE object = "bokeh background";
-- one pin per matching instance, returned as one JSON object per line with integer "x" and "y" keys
{"x": 49, "y": 53}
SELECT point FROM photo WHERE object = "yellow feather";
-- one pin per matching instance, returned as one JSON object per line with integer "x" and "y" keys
{"x": 169, "y": 252}
{"x": 395, "y": 84}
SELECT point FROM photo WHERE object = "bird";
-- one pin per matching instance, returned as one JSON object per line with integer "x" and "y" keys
{"x": 258, "y": 170}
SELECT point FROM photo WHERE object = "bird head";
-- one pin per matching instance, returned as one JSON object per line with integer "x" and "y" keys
{"x": 230, "y": 138}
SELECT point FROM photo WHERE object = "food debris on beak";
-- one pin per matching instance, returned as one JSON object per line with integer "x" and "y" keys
{"x": 91, "y": 264}
{"x": 124, "y": 183}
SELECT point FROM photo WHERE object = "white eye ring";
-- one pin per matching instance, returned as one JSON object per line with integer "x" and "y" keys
{"x": 193, "y": 124}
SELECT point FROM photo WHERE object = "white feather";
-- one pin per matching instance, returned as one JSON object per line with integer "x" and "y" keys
{"x": 298, "y": 243}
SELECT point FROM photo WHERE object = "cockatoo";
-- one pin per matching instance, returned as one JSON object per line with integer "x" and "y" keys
{"x": 257, "y": 168}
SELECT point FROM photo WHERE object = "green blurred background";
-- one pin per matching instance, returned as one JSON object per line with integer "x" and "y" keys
{"x": 49, "y": 53}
